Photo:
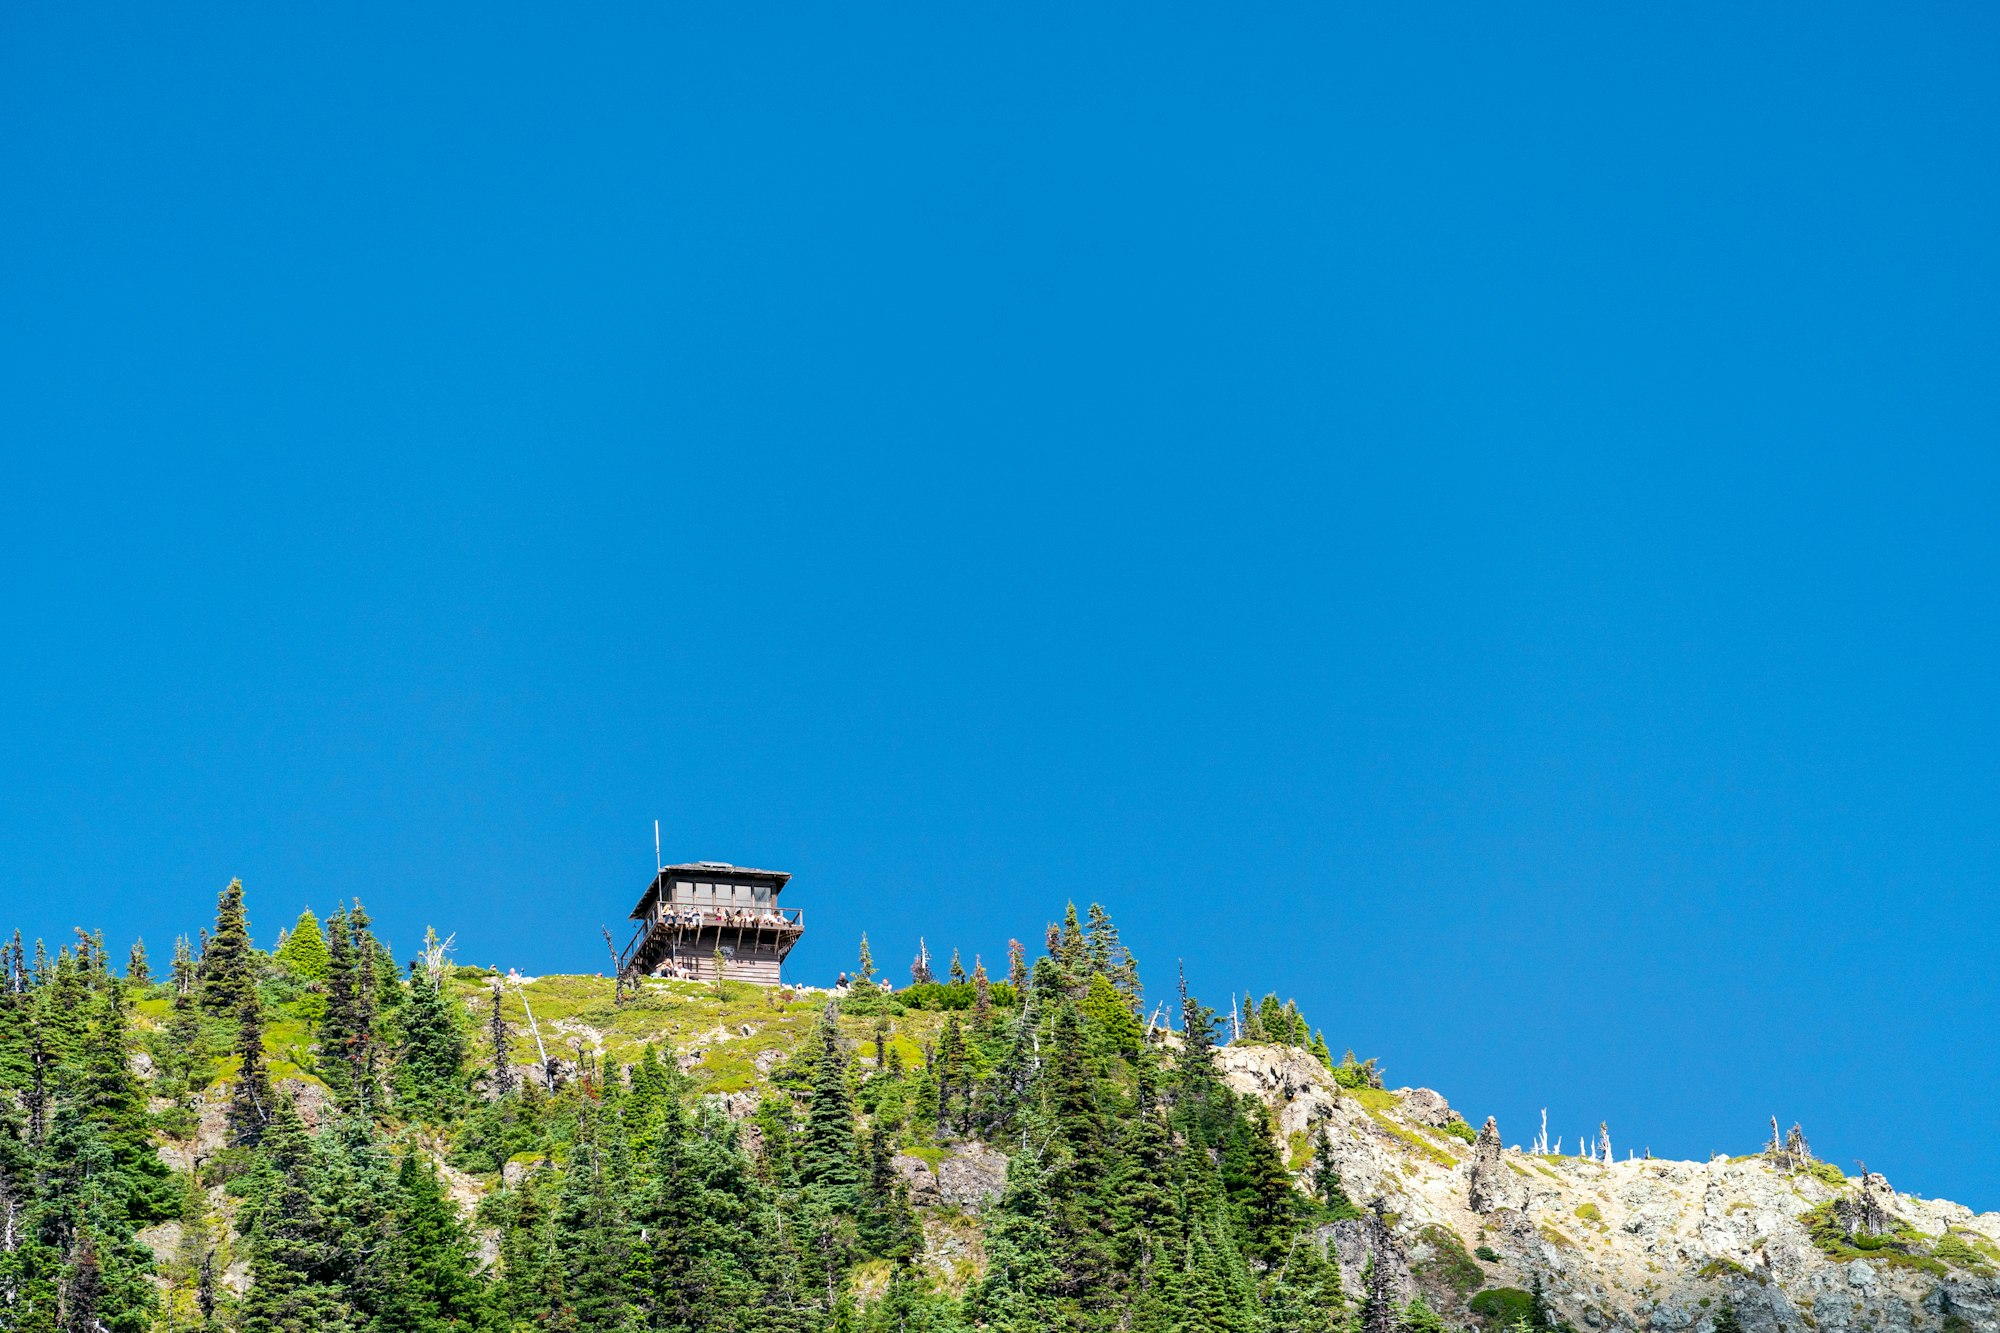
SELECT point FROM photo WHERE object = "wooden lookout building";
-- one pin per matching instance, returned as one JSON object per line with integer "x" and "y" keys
{"x": 691, "y": 916}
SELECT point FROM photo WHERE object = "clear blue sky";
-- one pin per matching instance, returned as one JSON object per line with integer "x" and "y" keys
{"x": 1481, "y": 521}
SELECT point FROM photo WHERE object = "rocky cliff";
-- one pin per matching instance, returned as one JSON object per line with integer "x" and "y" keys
{"x": 1641, "y": 1245}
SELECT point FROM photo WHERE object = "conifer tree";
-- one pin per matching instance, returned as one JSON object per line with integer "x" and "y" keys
{"x": 826, "y": 1152}
{"x": 347, "y": 1035}
{"x": 183, "y": 973}
{"x": 136, "y": 970}
{"x": 1253, "y": 1021}
{"x": 887, "y": 1226}
{"x": 1271, "y": 1017}
{"x": 304, "y": 952}
{"x": 1418, "y": 1317}
{"x": 430, "y": 1070}
{"x": 1306, "y": 1294}
{"x": 433, "y": 1266}
{"x": 496, "y": 1037}
{"x": 596, "y": 1245}
{"x": 956, "y": 975}
{"x": 1378, "y": 1308}
{"x": 1017, "y": 967}
{"x": 251, "y": 1103}
{"x": 228, "y": 967}
{"x": 864, "y": 970}
{"x": 1066, "y": 948}
{"x": 982, "y": 996}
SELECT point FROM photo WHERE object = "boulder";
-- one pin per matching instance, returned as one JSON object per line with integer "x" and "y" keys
{"x": 1423, "y": 1107}
{"x": 916, "y": 1173}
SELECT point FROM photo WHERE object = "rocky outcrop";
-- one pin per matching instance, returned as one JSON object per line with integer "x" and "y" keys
{"x": 1486, "y": 1179}
{"x": 967, "y": 1176}
{"x": 1639, "y": 1246}
{"x": 970, "y": 1175}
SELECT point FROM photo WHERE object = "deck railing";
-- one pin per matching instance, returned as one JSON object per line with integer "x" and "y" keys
{"x": 683, "y": 919}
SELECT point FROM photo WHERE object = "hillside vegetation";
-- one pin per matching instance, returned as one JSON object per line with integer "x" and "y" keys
{"x": 321, "y": 1139}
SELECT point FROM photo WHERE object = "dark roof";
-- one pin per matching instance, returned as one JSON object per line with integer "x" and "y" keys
{"x": 720, "y": 868}
{"x": 711, "y": 872}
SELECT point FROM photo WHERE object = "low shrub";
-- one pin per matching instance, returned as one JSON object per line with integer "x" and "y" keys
{"x": 1449, "y": 1264}
{"x": 1501, "y": 1307}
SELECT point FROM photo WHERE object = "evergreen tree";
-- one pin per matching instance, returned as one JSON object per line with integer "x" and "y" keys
{"x": 1418, "y": 1317}
{"x": 1305, "y": 1291}
{"x": 1726, "y": 1319}
{"x": 251, "y": 1103}
{"x": 497, "y": 1042}
{"x": 887, "y": 1227}
{"x": 228, "y": 966}
{"x": 826, "y": 1152}
{"x": 957, "y": 973}
{"x": 1264, "y": 1204}
{"x": 183, "y": 973}
{"x": 982, "y": 996}
{"x": 295, "y": 1276}
{"x": 347, "y": 1036}
{"x": 1319, "y": 1050}
{"x": 864, "y": 970}
{"x": 136, "y": 970}
{"x": 304, "y": 952}
{"x": 596, "y": 1246}
{"x": 430, "y": 1071}
{"x": 954, "y": 1079}
{"x": 1253, "y": 1021}
{"x": 434, "y": 1261}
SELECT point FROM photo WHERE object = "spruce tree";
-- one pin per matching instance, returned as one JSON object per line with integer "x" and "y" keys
{"x": 887, "y": 1227}
{"x": 430, "y": 1074}
{"x": 496, "y": 1038}
{"x": 437, "y": 1286}
{"x": 347, "y": 1035}
{"x": 954, "y": 1079}
{"x": 826, "y": 1151}
{"x": 136, "y": 970}
{"x": 864, "y": 970}
{"x": 957, "y": 973}
{"x": 251, "y": 1102}
{"x": 228, "y": 966}
{"x": 304, "y": 952}
{"x": 295, "y": 1284}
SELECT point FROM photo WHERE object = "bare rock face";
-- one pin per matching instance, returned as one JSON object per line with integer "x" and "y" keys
{"x": 970, "y": 1174}
{"x": 513, "y": 1173}
{"x": 1486, "y": 1183}
{"x": 1291, "y": 1080}
{"x": 1352, "y": 1242}
{"x": 1425, "y": 1107}
{"x": 916, "y": 1173}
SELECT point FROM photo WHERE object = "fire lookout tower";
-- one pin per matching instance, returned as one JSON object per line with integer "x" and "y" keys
{"x": 691, "y": 915}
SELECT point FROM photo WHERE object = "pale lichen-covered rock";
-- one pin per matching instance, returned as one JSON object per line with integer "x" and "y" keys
{"x": 970, "y": 1174}
{"x": 1623, "y": 1247}
{"x": 1421, "y": 1106}
{"x": 1488, "y": 1182}
{"x": 916, "y": 1173}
